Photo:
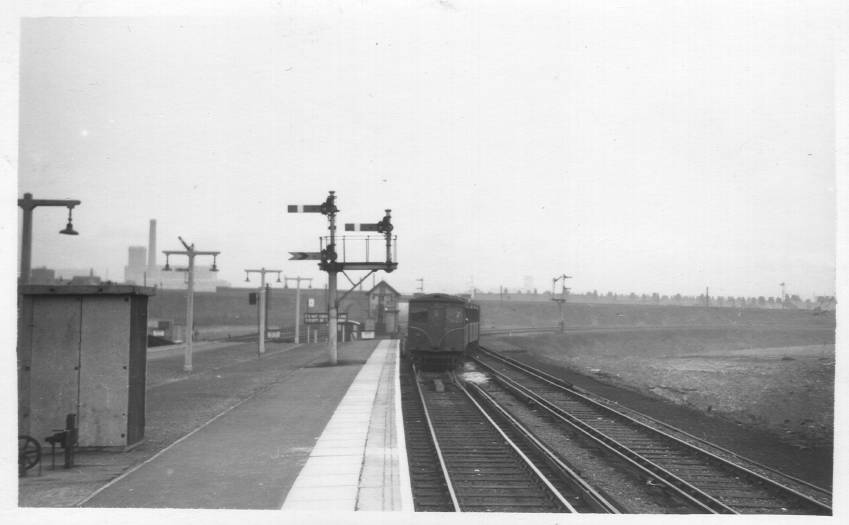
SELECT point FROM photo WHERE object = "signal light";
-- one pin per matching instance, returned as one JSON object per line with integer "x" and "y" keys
{"x": 329, "y": 206}
{"x": 385, "y": 224}
{"x": 329, "y": 253}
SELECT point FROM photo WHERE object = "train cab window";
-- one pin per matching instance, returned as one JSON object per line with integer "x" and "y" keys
{"x": 454, "y": 315}
{"x": 418, "y": 316}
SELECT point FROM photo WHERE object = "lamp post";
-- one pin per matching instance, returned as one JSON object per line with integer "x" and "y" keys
{"x": 261, "y": 302}
{"x": 190, "y": 292}
{"x": 298, "y": 304}
{"x": 28, "y": 204}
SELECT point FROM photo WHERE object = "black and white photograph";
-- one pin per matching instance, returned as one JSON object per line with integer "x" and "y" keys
{"x": 371, "y": 261}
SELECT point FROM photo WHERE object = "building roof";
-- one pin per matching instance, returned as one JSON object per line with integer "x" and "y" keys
{"x": 84, "y": 289}
{"x": 385, "y": 285}
{"x": 440, "y": 298}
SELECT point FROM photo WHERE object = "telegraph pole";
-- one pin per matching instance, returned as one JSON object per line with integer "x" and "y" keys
{"x": 783, "y": 295}
{"x": 562, "y": 298}
{"x": 420, "y": 280}
{"x": 298, "y": 304}
{"x": 262, "y": 301}
{"x": 190, "y": 292}
{"x": 28, "y": 204}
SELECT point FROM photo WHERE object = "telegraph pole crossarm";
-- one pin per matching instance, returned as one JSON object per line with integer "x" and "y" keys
{"x": 191, "y": 253}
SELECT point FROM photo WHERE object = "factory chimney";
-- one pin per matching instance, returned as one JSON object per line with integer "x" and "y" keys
{"x": 151, "y": 245}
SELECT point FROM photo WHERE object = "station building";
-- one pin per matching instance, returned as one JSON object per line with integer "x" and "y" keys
{"x": 383, "y": 309}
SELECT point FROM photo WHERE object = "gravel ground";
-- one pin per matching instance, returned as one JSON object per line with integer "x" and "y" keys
{"x": 612, "y": 478}
{"x": 773, "y": 405}
{"x": 771, "y": 388}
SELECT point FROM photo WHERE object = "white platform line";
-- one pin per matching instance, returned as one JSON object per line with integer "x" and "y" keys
{"x": 403, "y": 466}
{"x": 379, "y": 487}
{"x": 329, "y": 480}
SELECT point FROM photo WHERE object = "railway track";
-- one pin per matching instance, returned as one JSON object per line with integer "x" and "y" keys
{"x": 430, "y": 488}
{"x": 467, "y": 454}
{"x": 706, "y": 480}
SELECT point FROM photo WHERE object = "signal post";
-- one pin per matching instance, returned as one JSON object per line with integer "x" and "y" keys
{"x": 562, "y": 299}
{"x": 329, "y": 260}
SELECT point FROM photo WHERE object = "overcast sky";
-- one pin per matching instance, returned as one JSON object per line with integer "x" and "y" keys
{"x": 637, "y": 146}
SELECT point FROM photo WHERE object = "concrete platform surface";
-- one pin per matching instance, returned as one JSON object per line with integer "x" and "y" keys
{"x": 288, "y": 421}
{"x": 359, "y": 462}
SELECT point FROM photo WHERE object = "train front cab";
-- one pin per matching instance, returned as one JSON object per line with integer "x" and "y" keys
{"x": 436, "y": 329}
{"x": 441, "y": 329}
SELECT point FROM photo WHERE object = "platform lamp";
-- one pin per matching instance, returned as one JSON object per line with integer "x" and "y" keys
{"x": 191, "y": 252}
{"x": 262, "y": 305}
{"x": 28, "y": 204}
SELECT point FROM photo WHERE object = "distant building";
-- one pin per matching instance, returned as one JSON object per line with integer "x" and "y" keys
{"x": 137, "y": 257}
{"x": 45, "y": 275}
{"x": 67, "y": 274}
{"x": 383, "y": 308}
{"x": 42, "y": 275}
{"x": 142, "y": 269}
{"x": 205, "y": 279}
{"x": 85, "y": 279}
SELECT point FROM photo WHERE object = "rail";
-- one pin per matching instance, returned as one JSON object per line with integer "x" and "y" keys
{"x": 511, "y": 331}
{"x": 435, "y": 440}
{"x": 593, "y": 497}
{"x": 530, "y": 464}
{"x": 618, "y": 328}
{"x": 475, "y": 464}
{"x": 818, "y": 506}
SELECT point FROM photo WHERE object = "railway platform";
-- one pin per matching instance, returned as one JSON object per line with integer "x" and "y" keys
{"x": 314, "y": 438}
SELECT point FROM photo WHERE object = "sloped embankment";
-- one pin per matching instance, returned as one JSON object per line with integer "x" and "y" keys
{"x": 776, "y": 379}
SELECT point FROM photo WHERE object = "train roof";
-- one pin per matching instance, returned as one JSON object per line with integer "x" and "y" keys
{"x": 440, "y": 298}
